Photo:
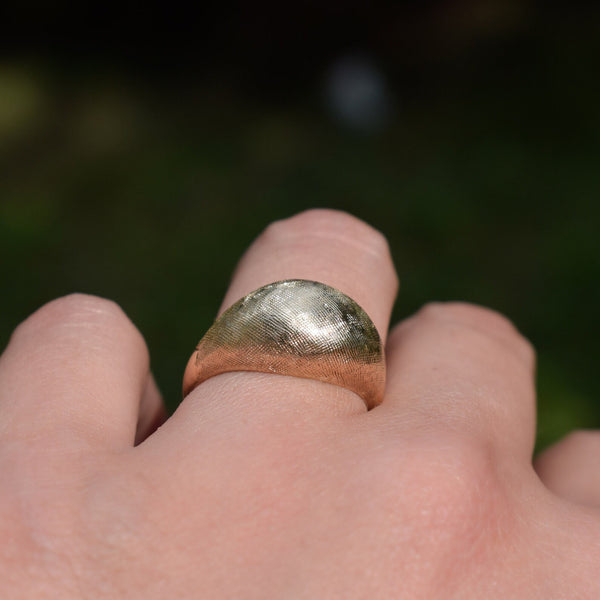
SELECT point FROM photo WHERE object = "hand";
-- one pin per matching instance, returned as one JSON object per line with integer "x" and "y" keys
{"x": 267, "y": 486}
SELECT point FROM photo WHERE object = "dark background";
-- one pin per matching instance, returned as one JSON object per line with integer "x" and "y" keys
{"x": 143, "y": 148}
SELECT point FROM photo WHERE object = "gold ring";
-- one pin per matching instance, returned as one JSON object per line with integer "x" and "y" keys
{"x": 299, "y": 328}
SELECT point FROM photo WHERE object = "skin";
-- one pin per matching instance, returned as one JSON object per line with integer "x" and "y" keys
{"x": 268, "y": 486}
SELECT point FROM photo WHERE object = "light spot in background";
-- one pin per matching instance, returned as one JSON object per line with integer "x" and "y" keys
{"x": 357, "y": 94}
{"x": 21, "y": 101}
{"x": 107, "y": 120}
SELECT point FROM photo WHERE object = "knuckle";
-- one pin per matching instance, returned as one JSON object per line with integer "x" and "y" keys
{"x": 465, "y": 500}
{"x": 332, "y": 224}
{"x": 74, "y": 308}
{"x": 470, "y": 314}
{"x": 447, "y": 493}
{"x": 482, "y": 321}
{"x": 82, "y": 306}
{"x": 463, "y": 503}
{"x": 76, "y": 315}
{"x": 583, "y": 441}
{"x": 460, "y": 475}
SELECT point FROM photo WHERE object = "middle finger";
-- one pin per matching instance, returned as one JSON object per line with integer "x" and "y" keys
{"x": 464, "y": 368}
{"x": 323, "y": 245}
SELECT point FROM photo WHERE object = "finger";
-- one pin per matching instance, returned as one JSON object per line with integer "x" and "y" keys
{"x": 323, "y": 245}
{"x": 152, "y": 413}
{"x": 457, "y": 366}
{"x": 75, "y": 372}
{"x": 570, "y": 467}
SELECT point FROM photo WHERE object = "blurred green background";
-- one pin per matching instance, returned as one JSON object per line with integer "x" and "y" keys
{"x": 142, "y": 152}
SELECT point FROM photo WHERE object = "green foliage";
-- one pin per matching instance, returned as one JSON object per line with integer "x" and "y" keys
{"x": 487, "y": 189}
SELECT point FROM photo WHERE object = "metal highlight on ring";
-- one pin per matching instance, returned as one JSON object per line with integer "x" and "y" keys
{"x": 295, "y": 327}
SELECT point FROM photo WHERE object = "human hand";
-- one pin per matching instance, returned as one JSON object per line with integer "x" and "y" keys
{"x": 268, "y": 486}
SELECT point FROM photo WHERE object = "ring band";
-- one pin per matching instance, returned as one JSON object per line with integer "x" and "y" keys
{"x": 299, "y": 328}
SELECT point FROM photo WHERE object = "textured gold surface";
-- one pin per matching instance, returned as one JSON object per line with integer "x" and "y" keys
{"x": 299, "y": 328}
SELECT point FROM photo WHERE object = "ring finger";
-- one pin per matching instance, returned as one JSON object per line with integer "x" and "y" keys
{"x": 322, "y": 245}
